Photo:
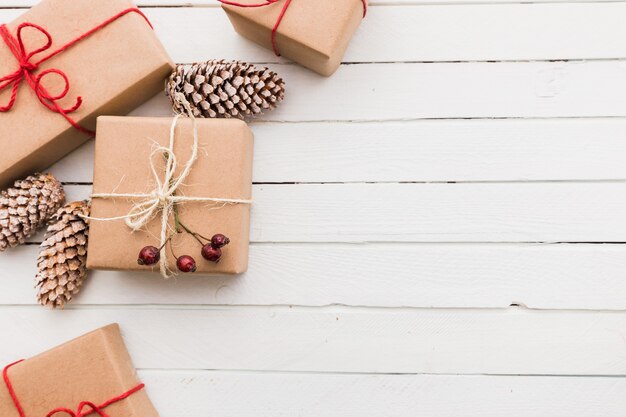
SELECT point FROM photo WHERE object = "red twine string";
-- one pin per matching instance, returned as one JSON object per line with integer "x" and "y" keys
{"x": 28, "y": 66}
{"x": 84, "y": 409}
{"x": 280, "y": 16}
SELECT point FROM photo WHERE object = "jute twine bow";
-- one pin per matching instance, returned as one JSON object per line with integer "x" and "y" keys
{"x": 163, "y": 198}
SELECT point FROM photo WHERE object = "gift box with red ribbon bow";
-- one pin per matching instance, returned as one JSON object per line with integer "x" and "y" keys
{"x": 313, "y": 33}
{"x": 91, "y": 375}
{"x": 63, "y": 63}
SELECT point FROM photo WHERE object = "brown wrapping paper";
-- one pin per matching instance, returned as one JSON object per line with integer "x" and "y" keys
{"x": 223, "y": 170}
{"x": 114, "y": 71}
{"x": 95, "y": 367}
{"x": 313, "y": 33}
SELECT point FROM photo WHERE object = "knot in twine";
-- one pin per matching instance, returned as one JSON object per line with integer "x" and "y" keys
{"x": 163, "y": 198}
{"x": 84, "y": 409}
{"x": 28, "y": 66}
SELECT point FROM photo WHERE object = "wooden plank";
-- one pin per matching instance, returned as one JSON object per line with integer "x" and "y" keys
{"x": 230, "y": 394}
{"x": 389, "y": 275}
{"x": 463, "y": 33}
{"x": 429, "y": 151}
{"x": 448, "y": 90}
{"x": 470, "y": 212}
{"x": 339, "y": 339}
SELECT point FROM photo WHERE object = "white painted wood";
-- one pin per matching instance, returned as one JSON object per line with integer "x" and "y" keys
{"x": 483, "y": 32}
{"x": 431, "y": 150}
{"x": 361, "y": 311}
{"x": 446, "y": 90}
{"x": 242, "y": 394}
{"x": 383, "y": 275}
{"x": 470, "y": 212}
{"x": 463, "y": 33}
{"x": 338, "y": 339}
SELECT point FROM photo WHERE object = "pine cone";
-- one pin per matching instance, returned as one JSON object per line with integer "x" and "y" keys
{"x": 63, "y": 256}
{"x": 26, "y": 207}
{"x": 224, "y": 89}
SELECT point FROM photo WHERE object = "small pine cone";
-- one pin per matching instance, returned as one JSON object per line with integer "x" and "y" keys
{"x": 62, "y": 259}
{"x": 221, "y": 89}
{"x": 27, "y": 206}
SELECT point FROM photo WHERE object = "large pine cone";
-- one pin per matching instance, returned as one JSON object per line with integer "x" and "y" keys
{"x": 27, "y": 206}
{"x": 62, "y": 259}
{"x": 220, "y": 89}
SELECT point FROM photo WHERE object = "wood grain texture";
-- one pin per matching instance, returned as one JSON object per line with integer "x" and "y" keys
{"x": 381, "y": 275}
{"x": 242, "y": 394}
{"x": 339, "y": 339}
{"x": 423, "y": 151}
{"x": 468, "y": 212}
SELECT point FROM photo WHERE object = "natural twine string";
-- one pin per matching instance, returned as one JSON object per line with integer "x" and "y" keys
{"x": 163, "y": 198}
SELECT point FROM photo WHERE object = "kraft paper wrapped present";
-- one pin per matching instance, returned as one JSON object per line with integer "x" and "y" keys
{"x": 125, "y": 149}
{"x": 112, "y": 71}
{"x": 313, "y": 33}
{"x": 94, "y": 370}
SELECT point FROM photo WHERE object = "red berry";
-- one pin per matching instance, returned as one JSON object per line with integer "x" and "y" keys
{"x": 211, "y": 253}
{"x": 219, "y": 241}
{"x": 186, "y": 264}
{"x": 149, "y": 256}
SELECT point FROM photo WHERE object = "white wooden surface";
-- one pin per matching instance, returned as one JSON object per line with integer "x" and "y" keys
{"x": 438, "y": 228}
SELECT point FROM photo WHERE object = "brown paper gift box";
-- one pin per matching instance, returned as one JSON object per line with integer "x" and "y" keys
{"x": 313, "y": 33}
{"x": 95, "y": 367}
{"x": 114, "y": 70}
{"x": 223, "y": 170}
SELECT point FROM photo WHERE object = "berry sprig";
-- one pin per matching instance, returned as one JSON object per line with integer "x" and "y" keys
{"x": 211, "y": 251}
{"x": 211, "y": 248}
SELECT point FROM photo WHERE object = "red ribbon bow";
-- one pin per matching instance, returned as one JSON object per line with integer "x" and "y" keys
{"x": 84, "y": 409}
{"x": 28, "y": 67}
{"x": 280, "y": 16}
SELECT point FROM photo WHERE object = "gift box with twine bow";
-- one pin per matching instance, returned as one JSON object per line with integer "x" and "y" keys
{"x": 153, "y": 186}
